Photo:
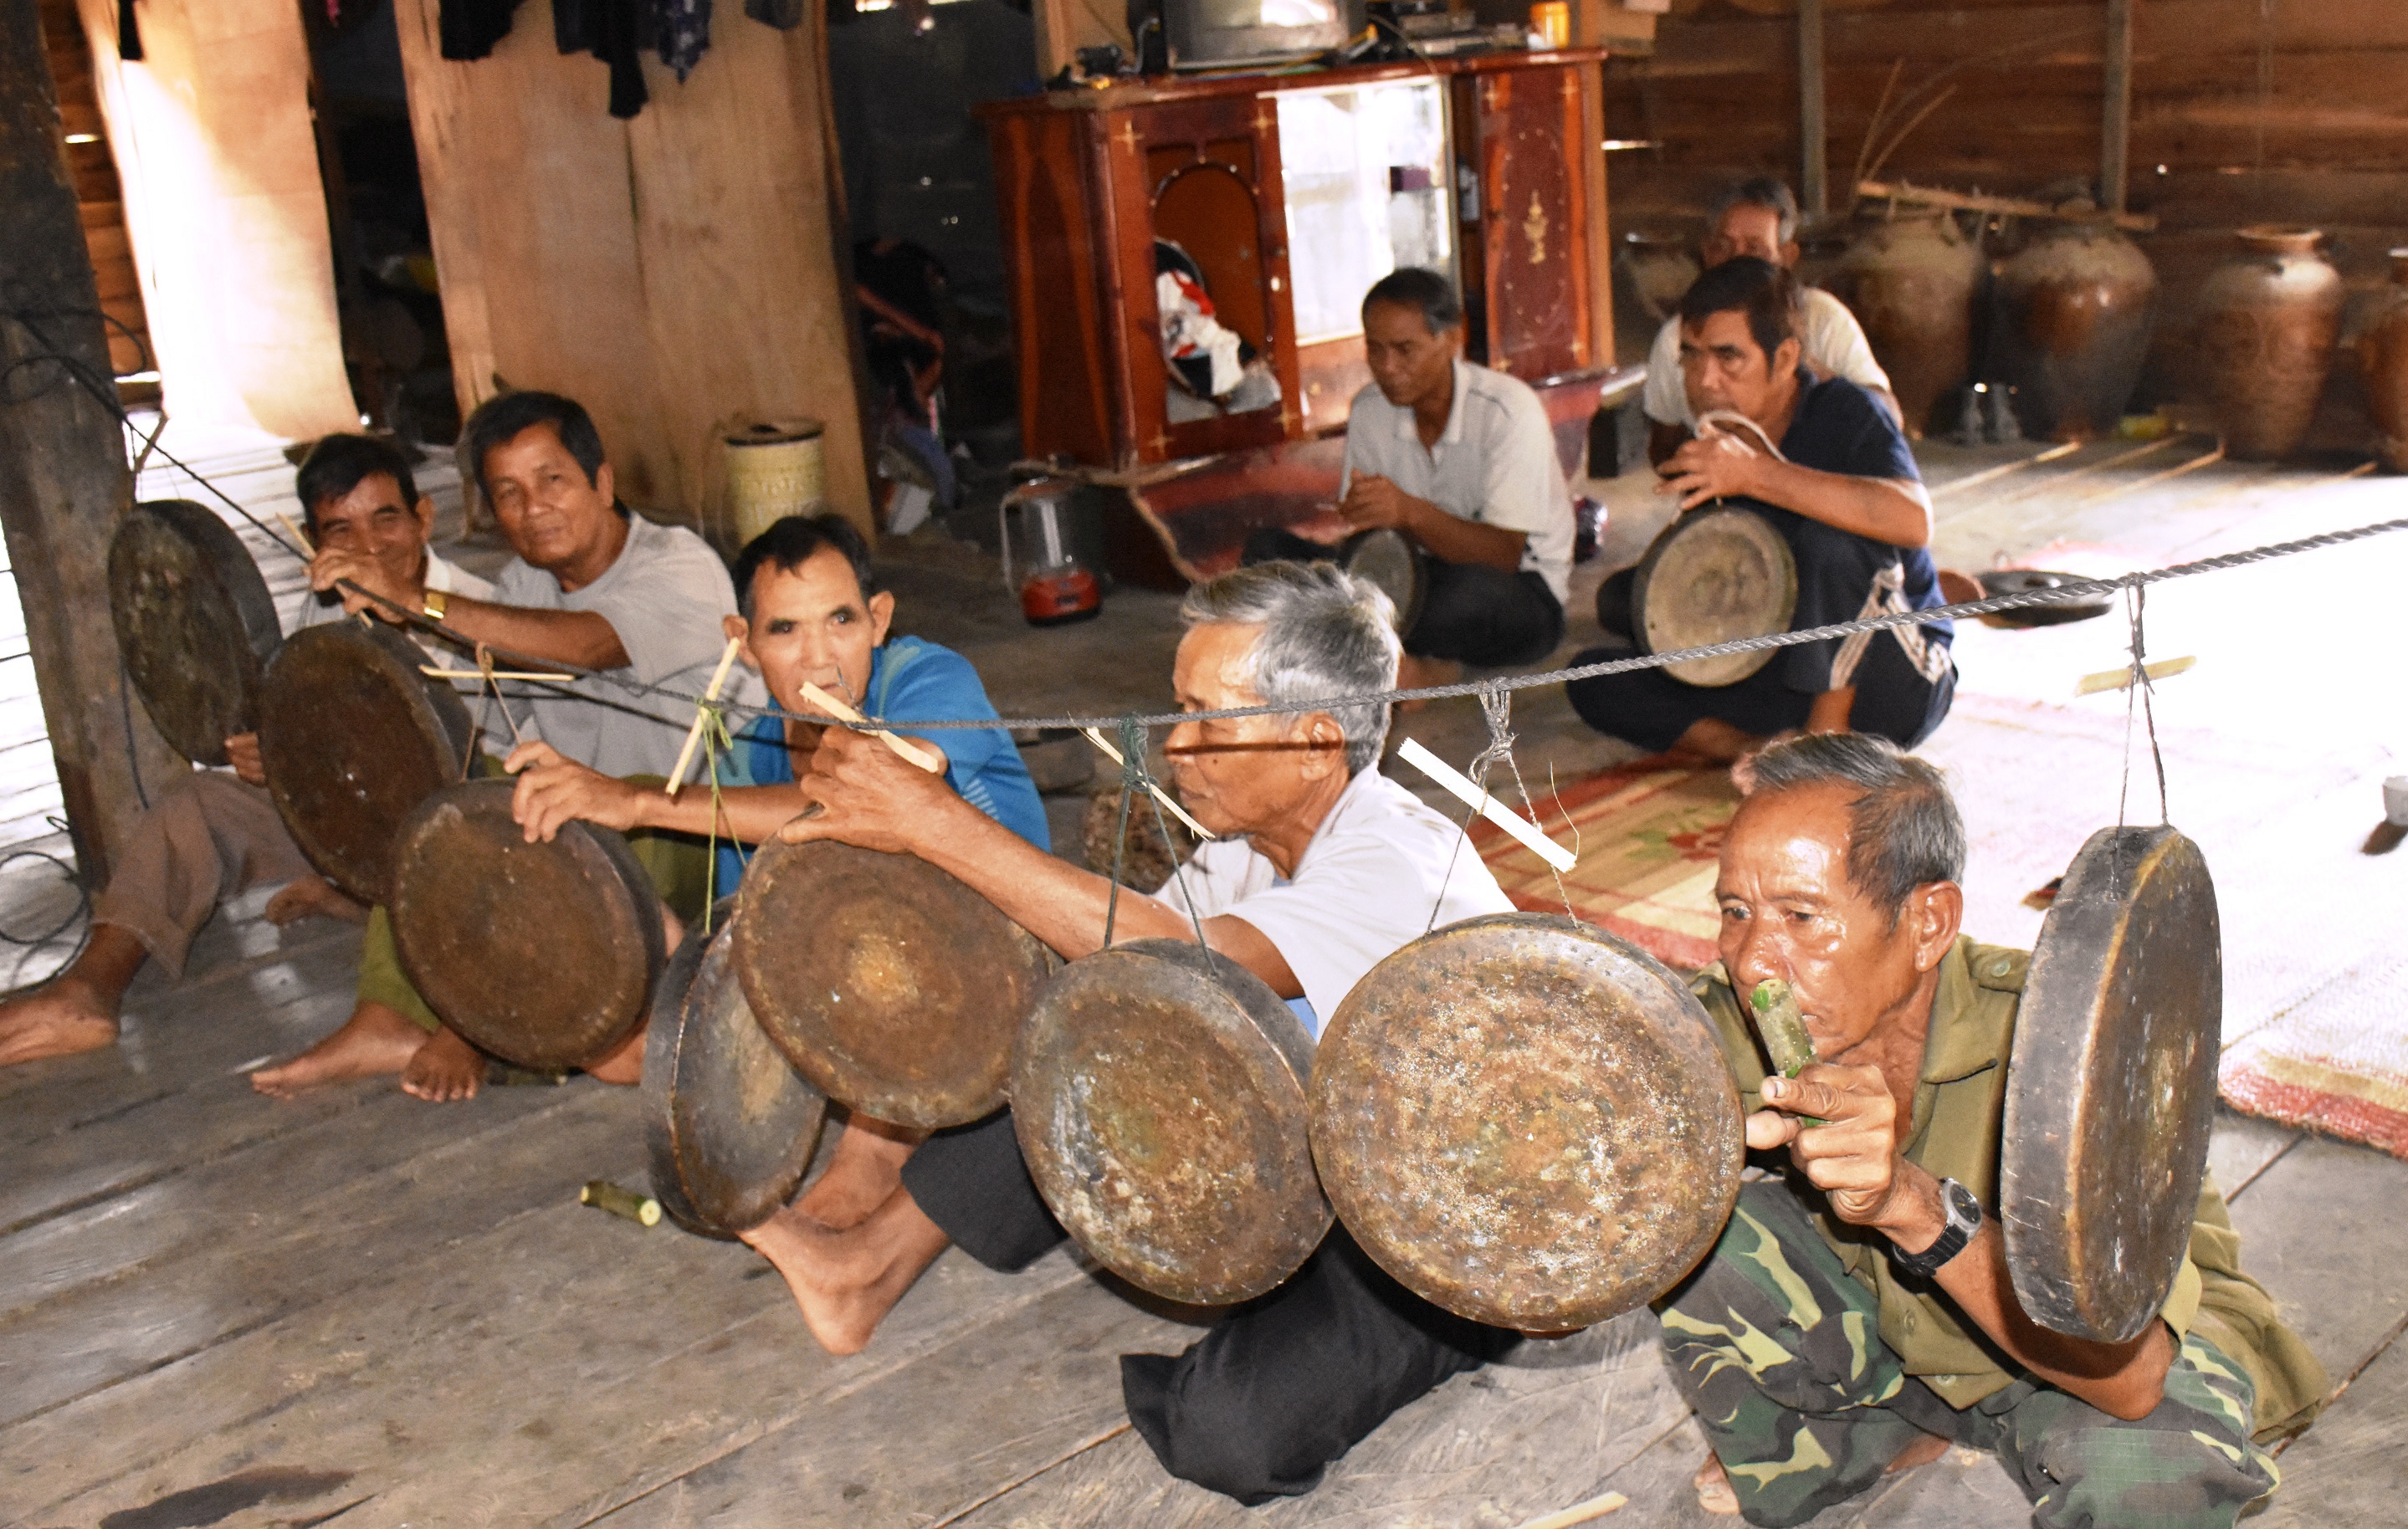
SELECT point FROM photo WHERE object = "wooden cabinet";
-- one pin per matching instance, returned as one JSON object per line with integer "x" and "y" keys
{"x": 1489, "y": 167}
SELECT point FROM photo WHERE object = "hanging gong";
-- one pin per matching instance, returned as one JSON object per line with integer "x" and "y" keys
{"x": 354, "y": 738}
{"x": 2110, "y": 1085}
{"x": 194, "y": 622}
{"x": 730, "y": 1126}
{"x": 891, "y": 985}
{"x": 1158, "y": 1094}
{"x": 1526, "y": 1121}
{"x": 1715, "y": 576}
{"x": 542, "y": 954}
{"x": 1388, "y": 558}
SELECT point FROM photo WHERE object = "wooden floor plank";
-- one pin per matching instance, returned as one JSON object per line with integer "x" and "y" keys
{"x": 2322, "y": 1229}
{"x": 2350, "y": 1471}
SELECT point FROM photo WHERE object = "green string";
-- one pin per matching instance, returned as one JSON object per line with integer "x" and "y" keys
{"x": 716, "y": 741}
{"x": 1135, "y": 778}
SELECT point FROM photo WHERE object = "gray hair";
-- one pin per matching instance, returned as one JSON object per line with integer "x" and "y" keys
{"x": 1903, "y": 832}
{"x": 1325, "y": 633}
{"x": 1770, "y": 192}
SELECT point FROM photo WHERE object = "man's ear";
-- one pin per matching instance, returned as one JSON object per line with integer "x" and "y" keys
{"x": 738, "y": 630}
{"x": 882, "y": 616}
{"x": 1789, "y": 253}
{"x": 424, "y": 510}
{"x": 1784, "y": 359}
{"x": 1326, "y": 746}
{"x": 606, "y": 484}
{"x": 1938, "y": 910}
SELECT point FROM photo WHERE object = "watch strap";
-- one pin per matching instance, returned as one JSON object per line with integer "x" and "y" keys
{"x": 1964, "y": 1219}
{"x": 437, "y": 604}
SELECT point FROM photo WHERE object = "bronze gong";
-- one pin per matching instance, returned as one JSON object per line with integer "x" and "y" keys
{"x": 2110, "y": 1085}
{"x": 1159, "y": 1095}
{"x": 1526, "y": 1121}
{"x": 730, "y": 1126}
{"x": 891, "y": 985}
{"x": 542, "y": 954}
{"x": 1715, "y": 575}
{"x": 354, "y": 738}
{"x": 1388, "y": 558}
{"x": 194, "y": 624}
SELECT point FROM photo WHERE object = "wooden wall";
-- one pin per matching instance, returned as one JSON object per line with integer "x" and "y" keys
{"x": 2242, "y": 111}
{"x": 99, "y": 191}
{"x": 671, "y": 273}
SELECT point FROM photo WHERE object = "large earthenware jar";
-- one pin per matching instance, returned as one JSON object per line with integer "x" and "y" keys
{"x": 1911, "y": 281}
{"x": 2075, "y": 306}
{"x": 2269, "y": 322}
{"x": 2382, "y": 366}
{"x": 1659, "y": 268}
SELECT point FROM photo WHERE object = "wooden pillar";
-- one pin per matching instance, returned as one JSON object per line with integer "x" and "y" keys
{"x": 2115, "y": 125}
{"x": 63, "y": 481}
{"x": 1813, "y": 184}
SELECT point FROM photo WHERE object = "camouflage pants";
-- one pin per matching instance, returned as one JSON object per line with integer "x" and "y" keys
{"x": 1778, "y": 1350}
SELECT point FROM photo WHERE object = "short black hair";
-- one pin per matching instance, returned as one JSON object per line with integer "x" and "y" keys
{"x": 1410, "y": 286}
{"x": 498, "y": 421}
{"x": 1766, "y": 293}
{"x": 338, "y": 464}
{"x": 792, "y": 542}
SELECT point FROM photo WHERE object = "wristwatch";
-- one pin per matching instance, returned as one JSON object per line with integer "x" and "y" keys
{"x": 437, "y": 603}
{"x": 1964, "y": 1214}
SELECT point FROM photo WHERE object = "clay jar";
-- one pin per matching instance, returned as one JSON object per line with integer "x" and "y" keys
{"x": 1659, "y": 268}
{"x": 2074, "y": 312}
{"x": 1911, "y": 281}
{"x": 2382, "y": 365}
{"x": 2268, "y": 325}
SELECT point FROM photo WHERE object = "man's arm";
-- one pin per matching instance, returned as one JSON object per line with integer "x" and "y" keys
{"x": 580, "y": 638}
{"x": 1374, "y": 501}
{"x": 1663, "y": 440}
{"x": 1716, "y": 465}
{"x": 1854, "y": 1158}
{"x": 553, "y": 789}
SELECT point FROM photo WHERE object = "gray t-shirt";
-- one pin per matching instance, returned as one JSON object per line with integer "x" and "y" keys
{"x": 663, "y": 597}
{"x": 1495, "y": 463}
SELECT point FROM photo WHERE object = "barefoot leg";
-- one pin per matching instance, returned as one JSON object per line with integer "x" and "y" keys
{"x": 1714, "y": 1487}
{"x": 77, "y": 1010}
{"x": 1922, "y": 1450}
{"x": 864, "y": 1170}
{"x": 623, "y": 1064}
{"x": 447, "y": 1068}
{"x": 374, "y": 1041}
{"x": 845, "y": 1282}
{"x": 1711, "y": 741}
{"x": 313, "y": 896}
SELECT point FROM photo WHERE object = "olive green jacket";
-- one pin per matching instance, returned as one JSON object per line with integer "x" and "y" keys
{"x": 1955, "y": 1135}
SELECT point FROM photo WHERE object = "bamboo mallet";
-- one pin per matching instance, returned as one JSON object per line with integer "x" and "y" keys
{"x": 702, "y": 716}
{"x": 918, "y": 753}
{"x": 1203, "y": 833}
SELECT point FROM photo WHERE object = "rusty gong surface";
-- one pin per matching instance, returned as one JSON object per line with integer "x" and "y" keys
{"x": 1159, "y": 1098}
{"x": 891, "y": 985}
{"x": 730, "y": 1124}
{"x": 1526, "y": 1121}
{"x": 542, "y": 954}
{"x": 2110, "y": 1085}
{"x": 194, "y": 624}
{"x": 354, "y": 738}
{"x": 1715, "y": 576}
{"x": 1386, "y": 558}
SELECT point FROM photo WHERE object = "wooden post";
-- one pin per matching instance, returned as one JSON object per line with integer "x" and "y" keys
{"x": 1814, "y": 182}
{"x": 2115, "y": 126}
{"x": 63, "y": 481}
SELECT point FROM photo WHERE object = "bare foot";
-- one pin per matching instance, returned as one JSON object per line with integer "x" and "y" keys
{"x": 1922, "y": 1452}
{"x": 865, "y": 1168}
{"x": 375, "y": 1040}
{"x": 313, "y": 896}
{"x": 59, "y": 1020}
{"x": 623, "y": 1064}
{"x": 846, "y": 1281}
{"x": 445, "y": 1068}
{"x": 1715, "y": 1494}
{"x": 1710, "y": 741}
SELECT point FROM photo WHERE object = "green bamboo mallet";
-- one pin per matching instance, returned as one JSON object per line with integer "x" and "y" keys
{"x": 1784, "y": 1028}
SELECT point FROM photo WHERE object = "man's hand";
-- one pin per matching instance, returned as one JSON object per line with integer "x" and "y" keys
{"x": 1712, "y": 465}
{"x": 870, "y": 796}
{"x": 1853, "y": 1156}
{"x": 242, "y": 753}
{"x": 331, "y": 568}
{"x": 1374, "y": 501}
{"x": 553, "y": 789}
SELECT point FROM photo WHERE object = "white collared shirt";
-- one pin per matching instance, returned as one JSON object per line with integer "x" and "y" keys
{"x": 1494, "y": 464}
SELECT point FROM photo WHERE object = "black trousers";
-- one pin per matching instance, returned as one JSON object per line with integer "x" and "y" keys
{"x": 1276, "y": 1390}
{"x": 1470, "y": 613}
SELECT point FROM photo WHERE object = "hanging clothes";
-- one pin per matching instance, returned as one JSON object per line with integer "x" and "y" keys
{"x": 614, "y": 31}
{"x": 684, "y": 33}
{"x": 470, "y": 28}
{"x": 785, "y": 15}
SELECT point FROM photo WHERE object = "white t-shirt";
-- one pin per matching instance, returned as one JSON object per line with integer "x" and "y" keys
{"x": 1833, "y": 342}
{"x": 1364, "y": 887}
{"x": 663, "y": 597}
{"x": 1493, "y": 463}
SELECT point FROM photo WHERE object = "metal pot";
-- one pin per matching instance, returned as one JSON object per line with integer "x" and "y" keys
{"x": 1911, "y": 280}
{"x": 2382, "y": 366}
{"x": 2269, "y": 321}
{"x": 2075, "y": 307}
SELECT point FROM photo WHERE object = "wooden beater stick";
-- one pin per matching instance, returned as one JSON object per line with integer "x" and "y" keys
{"x": 702, "y": 716}
{"x": 1596, "y": 1507}
{"x": 1201, "y": 832}
{"x": 921, "y": 755}
{"x": 1460, "y": 785}
{"x": 298, "y": 534}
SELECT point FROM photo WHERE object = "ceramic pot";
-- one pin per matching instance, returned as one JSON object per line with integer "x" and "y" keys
{"x": 1659, "y": 268}
{"x": 1911, "y": 281}
{"x": 2382, "y": 365}
{"x": 2075, "y": 309}
{"x": 2269, "y": 322}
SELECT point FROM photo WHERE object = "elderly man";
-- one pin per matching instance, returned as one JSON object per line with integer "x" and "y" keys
{"x": 1857, "y": 1315}
{"x": 592, "y": 585}
{"x": 1324, "y": 869}
{"x": 1843, "y": 489}
{"x": 1757, "y": 219}
{"x": 1461, "y": 460}
{"x": 212, "y": 834}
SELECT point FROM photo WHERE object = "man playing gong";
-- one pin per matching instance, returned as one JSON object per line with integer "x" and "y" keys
{"x": 1323, "y": 866}
{"x": 213, "y": 833}
{"x": 1857, "y": 1315}
{"x": 1832, "y": 473}
{"x": 592, "y": 585}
